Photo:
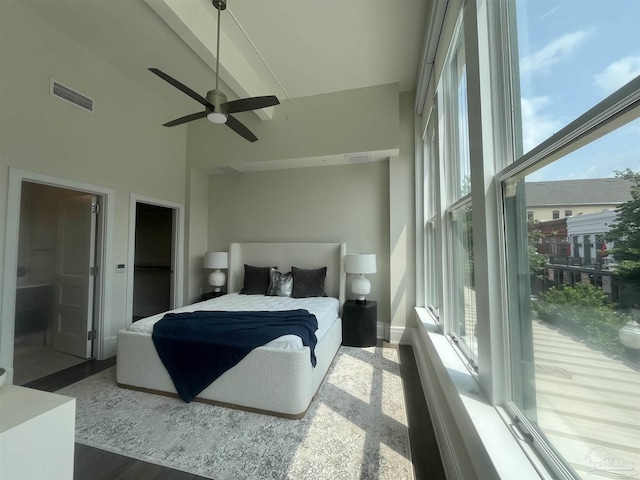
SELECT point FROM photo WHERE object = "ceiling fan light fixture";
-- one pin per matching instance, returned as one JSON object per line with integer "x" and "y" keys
{"x": 217, "y": 117}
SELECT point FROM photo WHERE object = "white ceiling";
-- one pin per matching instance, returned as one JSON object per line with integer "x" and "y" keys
{"x": 296, "y": 48}
{"x": 289, "y": 48}
{"x": 314, "y": 47}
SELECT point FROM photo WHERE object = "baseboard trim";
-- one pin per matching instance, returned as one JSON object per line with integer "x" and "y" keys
{"x": 382, "y": 330}
{"x": 401, "y": 335}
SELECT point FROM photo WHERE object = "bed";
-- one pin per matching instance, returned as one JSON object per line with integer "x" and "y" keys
{"x": 277, "y": 378}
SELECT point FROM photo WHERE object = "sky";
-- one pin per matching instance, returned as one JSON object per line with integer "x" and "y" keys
{"x": 573, "y": 54}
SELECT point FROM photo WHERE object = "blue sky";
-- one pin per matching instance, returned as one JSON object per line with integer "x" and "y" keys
{"x": 573, "y": 54}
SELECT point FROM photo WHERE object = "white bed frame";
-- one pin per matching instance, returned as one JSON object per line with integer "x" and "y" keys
{"x": 268, "y": 380}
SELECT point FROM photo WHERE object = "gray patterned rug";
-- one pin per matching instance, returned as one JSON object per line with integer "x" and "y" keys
{"x": 356, "y": 427}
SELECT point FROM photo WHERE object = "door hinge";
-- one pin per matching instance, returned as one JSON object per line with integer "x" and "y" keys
{"x": 95, "y": 208}
{"x": 93, "y": 271}
{"x": 91, "y": 335}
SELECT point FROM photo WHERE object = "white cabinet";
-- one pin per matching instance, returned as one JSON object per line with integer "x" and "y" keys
{"x": 37, "y": 432}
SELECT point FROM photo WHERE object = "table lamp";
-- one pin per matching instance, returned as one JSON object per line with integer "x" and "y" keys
{"x": 360, "y": 264}
{"x": 216, "y": 261}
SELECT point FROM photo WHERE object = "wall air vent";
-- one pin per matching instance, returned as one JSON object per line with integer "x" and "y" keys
{"x": 71, "y": 96}
{"x": 358, "y": 158}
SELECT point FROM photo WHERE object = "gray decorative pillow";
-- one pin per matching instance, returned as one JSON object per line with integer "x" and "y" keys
{"x": 281, "y": 284}
{"x": 308, "y": 282}
{"x": 256, "y": 280}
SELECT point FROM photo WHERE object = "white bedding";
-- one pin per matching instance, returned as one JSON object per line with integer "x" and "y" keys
{"x": 325, "y": 310}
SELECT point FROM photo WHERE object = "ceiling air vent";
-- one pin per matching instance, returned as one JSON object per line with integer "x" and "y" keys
{"x": 71, "y": 96}
{"x": 358, "y": 158}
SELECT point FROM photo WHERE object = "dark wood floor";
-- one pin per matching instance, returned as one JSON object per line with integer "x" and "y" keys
{"x": 424, "y": 447}
{"x": 94, "y": 464}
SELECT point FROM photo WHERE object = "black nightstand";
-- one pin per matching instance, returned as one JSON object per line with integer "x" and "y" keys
{"x": 210, "y": 295}
{"x": 359, "y": 327}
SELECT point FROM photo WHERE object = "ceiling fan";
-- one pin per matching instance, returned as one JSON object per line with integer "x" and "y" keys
{"x": 216, "y": 107}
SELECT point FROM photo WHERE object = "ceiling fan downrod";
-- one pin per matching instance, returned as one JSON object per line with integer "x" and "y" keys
{"x": 215, "y": 96}
{"x": 220, "y": 5}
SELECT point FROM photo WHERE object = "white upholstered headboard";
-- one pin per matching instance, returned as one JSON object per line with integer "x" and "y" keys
{"x": 287, "y": 255}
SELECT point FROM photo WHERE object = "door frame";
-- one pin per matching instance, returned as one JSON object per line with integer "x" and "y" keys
{"x": 104, "y": 247}
{"x": 177, "y": 257}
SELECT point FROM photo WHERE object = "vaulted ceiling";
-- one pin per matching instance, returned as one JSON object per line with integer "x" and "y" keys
{"x": 287, "y": 48}
{"x": 290, "y": 48}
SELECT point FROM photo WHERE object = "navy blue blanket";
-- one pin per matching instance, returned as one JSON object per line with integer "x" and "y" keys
{"x": 197, "y": 347}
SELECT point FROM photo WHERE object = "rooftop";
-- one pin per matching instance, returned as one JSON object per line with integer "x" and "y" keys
{"x": 591, "y": 191}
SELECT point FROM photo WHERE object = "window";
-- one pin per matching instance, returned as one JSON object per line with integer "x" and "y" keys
{"x": 587, "y": 246}
{"x": 462, "y": 293}
{"x": 564, "y": 333}
{"x": 461, "y": 324}
{"x": 559, "y": 88}
{"x": 452, "y": 90}
{"x": 432, "y": 209}
{"x": 563, "y": 339}
{"x": 571, "y": 56}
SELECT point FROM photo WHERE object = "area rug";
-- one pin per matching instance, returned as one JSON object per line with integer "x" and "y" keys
{"x": 355, "y": 428}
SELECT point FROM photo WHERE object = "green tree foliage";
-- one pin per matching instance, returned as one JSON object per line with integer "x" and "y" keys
{"x": 536, "y": 260}
{"x": 625, "y": 233}
{"x": 582, "y": 311}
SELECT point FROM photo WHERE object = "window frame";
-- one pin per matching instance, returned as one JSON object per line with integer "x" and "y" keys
{"x": 432, "y": 213}
{"x": 455, "y": 310}
{"x": 453, "y": 196}
{"x": 611, "y": 113}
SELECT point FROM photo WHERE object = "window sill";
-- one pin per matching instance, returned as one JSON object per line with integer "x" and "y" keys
{"x": 489, "y": 440}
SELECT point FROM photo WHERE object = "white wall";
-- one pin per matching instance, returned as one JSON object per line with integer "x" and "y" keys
{"x": 347, "y": 203}
{"x": 361, "y": 120}
{"x": 402, "y": 224}
{"x": 121, "y": 146}
{"x": 196, "y": 234}
{"x": 546, "y": 213}
{"x": 591, "y": 224}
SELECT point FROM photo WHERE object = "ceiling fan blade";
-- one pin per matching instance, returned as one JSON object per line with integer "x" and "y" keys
{"x": 180, "y": 86}
{"x": 253, "y": 103}
{"x": 185, "y": 119}
{"x": 235, "y": 125}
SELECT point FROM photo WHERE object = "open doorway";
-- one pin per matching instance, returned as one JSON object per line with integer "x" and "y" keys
{"x": 55, "y": 280}
{"x": 153, "y": 279}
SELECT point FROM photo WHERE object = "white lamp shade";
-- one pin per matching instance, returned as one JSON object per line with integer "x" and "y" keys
{"x": 216, "y": 260}
{"x": 360, "y": 263}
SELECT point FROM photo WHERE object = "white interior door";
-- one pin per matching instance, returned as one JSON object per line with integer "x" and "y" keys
{"x": 75, "y": 279}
